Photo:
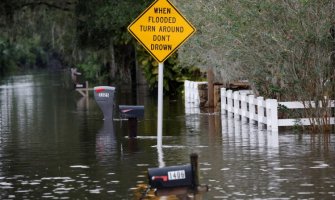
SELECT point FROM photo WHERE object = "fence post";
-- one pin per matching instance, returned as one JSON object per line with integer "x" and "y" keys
{"x": 260, "y": 112}
{"x": 236, "y": 105}
{"x": 187, "y": 91}
{"x": 194, "y": 93}
{"x": 252, "y": 109}
{"x": 230, "y": 102}
{"x": 223, "y": 100}
{"x": 191, "y": 92}
{"x": 244, "y": 106}
{"x": 272, "y": 114}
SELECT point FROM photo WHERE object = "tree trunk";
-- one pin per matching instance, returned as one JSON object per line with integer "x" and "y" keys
{"x": 139, "y": 74}
{"x": 210, "y": 80}
{"x": 112, "y": 62}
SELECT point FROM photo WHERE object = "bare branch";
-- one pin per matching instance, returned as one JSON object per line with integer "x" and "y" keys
{"x": 60, "y": 5}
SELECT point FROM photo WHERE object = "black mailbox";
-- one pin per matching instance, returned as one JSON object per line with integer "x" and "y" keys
{"x": 177, "y": 180}
{"x": 132, "y": 113}
{"x": 128, "y": 111}
{"x": 171, "y": 177}
{"x": 104, "y": 96}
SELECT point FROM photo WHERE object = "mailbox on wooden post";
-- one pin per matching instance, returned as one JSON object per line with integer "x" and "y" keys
{"x": 104, "y": 96}
{"x": 132, "y": 113}
{"x": 175, "y": 180}
{"x": 171, "y": 177}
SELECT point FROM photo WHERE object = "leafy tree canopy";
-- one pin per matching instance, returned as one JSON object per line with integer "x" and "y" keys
{"x": 282, "y": 47}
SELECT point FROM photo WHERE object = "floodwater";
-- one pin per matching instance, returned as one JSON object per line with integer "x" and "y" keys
{"x": 54, "y": 144}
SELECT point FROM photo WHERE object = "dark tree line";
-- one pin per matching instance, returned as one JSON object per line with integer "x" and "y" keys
{"x": 88, "y": 34}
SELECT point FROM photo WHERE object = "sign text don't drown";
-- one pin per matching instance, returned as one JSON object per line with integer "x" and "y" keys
{"x": 161, "y": 29}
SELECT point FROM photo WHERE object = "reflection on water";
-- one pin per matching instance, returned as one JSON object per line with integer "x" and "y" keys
{"x": 15, "y": 105}
{"x": 106, "y": 146}
{"x": 55, "y": 145}
{"x": 260, "y": 164}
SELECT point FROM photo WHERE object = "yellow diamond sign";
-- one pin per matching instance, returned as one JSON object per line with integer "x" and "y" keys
{"x": 161, "y": 29}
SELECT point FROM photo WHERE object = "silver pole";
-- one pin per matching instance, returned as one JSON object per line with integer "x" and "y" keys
{"x": 160, "y": 105}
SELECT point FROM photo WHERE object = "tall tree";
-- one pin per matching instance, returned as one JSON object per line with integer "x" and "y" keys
{"x": 283, "y": 47}
{"x": 33, "y": 29}
{"x": 102, "y": 25}
{"x": 273, "y": 44}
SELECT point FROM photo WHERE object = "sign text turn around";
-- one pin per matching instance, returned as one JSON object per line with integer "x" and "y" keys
{"x": 161, "y": 29}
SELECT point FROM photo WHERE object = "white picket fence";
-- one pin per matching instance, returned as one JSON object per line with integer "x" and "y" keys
{"x": 263, "y": 111}
{"x": 192, "y": 97}
{"x": 242, "y": 104}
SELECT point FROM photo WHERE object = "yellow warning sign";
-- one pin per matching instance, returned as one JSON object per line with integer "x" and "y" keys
{"x": 161, "y": 29}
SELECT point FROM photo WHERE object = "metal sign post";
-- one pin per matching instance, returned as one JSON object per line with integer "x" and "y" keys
{"x": 161, "y": 29}
{"x": 160, "y": 105}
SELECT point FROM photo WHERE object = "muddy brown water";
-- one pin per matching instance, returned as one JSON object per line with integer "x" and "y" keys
{"x": 55, "y": 145}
